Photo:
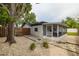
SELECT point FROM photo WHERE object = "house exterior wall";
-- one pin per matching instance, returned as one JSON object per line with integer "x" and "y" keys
{"x": 38, "y": 33}
{"x": 43, "y": 28}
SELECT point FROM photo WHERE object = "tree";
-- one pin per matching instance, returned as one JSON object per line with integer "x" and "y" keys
{"x": 3, "y": 21}
{"x": 77, "y": 23}
{"x": 19, "y": 23}
{"x": 70, "y": 22}
{"x": 29, "y": 19}
{"x": 3, "y": 16}
{"x": 15, "y": 11}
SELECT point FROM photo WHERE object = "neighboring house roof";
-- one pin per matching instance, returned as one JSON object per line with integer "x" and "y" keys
{"x": 26, "y": 26}
{"x": 46, "y": 23}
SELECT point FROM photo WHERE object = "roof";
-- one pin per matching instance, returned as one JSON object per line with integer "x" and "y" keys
{"x": 46, "y": 23}
{"x": 58, "y": 23}
{"x": 38, "y": 23}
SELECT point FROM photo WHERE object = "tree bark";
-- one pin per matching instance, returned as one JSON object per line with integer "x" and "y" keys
{"x": 10, "y": 35}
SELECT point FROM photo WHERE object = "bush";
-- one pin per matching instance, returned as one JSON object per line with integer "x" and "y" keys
{"x": 45, "y": 44}
{"x": 39, "y": 39}
{"x": 32, "y": 46}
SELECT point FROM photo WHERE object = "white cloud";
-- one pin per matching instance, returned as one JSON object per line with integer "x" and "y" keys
{"x": 52, "y": 12}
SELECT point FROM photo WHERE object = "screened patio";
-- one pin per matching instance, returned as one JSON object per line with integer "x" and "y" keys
{"x": 54, "y": 30}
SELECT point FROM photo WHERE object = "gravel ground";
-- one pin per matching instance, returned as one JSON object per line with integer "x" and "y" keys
{"x": 73, "y": 43}
{"x": 21, "y": 48}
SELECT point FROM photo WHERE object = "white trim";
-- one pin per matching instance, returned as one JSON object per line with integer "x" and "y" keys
{"x": 46, "y": 30}
{"x": 52, "y": 30}
{"x": 57, "y": 30}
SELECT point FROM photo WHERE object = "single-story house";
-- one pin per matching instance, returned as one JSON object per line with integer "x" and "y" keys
{"x": 41, "y": 29}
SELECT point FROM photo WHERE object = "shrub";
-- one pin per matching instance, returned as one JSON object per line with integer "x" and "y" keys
{"x": 45, "y": 44}
{"x": 39, "y": 39}
{"x": 32, "y": 46}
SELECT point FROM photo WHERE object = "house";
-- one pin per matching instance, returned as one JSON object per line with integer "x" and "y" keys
{"x": 41, "y": 29}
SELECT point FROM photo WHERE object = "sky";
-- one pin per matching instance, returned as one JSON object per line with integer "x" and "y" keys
{"x": 55, "y": 12}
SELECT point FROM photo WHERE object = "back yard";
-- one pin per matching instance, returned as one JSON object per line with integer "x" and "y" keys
{"x": 67, "y": 46}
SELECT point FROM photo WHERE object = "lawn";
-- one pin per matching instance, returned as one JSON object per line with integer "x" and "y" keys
{"x": 72, "y": 33}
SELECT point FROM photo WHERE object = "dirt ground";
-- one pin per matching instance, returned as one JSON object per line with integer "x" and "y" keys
{"x": 21, "y": 47}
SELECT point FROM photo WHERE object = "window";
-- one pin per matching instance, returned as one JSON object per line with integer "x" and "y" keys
{"x": 36, "y": 29}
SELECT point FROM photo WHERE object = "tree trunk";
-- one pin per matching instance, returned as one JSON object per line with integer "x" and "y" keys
{"x": 10, "y": 35}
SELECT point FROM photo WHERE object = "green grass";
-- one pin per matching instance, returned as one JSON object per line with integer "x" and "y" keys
{"x": 73, "y": 33}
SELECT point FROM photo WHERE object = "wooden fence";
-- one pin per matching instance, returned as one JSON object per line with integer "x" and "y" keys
{"x": 18, "y": 31}
{"x": 3, "y": 31}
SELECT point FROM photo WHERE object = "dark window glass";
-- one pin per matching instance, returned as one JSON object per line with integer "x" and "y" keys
{"x": 36, "y": 29}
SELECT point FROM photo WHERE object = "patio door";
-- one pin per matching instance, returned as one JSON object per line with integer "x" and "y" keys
{"x": 49, "y": 31}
